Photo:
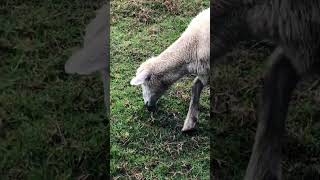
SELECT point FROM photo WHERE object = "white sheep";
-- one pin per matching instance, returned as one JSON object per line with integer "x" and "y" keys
{"x": 189, "y": 54}
{"x": 93, "y": 56}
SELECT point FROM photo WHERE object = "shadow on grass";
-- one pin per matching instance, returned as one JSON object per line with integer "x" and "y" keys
{"x": 162, "y": 117}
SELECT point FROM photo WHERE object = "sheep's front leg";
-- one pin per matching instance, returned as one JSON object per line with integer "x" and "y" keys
{"x": 193, "y": 112}
{"x": 280, "y": 81}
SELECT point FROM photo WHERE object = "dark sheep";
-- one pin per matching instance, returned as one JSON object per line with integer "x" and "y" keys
{"x": 294, "y": 26}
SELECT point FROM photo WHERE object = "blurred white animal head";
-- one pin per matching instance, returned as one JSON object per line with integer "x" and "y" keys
{"x": 93, "y": 56}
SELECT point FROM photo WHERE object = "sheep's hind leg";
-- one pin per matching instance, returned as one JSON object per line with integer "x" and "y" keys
{"x": 193, "y": 113}
{"x": 280, "y": 81}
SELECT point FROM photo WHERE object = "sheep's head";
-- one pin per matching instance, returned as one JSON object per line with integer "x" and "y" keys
{"x": 153, "y": 85}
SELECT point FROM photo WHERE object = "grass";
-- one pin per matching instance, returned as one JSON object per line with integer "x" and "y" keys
{"x": 51, "y": 123}
{"x": 144, "y": 145}
{"x": 235, "y": 98}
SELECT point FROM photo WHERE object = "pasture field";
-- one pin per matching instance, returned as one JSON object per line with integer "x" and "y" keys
{"x": 51, "y": 123}
{"x": 149, "y": 146}
{"x": 145, "y": 145}
{"x": 236, "y": 87}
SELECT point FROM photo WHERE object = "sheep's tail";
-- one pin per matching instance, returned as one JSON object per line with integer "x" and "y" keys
{"x": 92, "y": 57}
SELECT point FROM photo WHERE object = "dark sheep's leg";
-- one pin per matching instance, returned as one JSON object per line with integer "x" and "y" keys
{"x": 193, "y": 112}
{"x": 280, "y": 81}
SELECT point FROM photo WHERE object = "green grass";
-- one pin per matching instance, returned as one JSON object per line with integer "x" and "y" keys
{"x": 51, "y": 123}
{"x": 236, "y": 92}
{"x": 145, "y": 145}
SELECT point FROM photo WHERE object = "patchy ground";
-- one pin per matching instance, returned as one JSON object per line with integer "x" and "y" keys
{"x": 51, "y": 123}
{"x": 145, "y": 145}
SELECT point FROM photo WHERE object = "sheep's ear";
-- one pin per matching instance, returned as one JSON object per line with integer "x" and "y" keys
{"x": 140, "y": 78}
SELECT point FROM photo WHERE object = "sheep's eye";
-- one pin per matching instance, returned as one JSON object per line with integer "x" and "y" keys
{"x": 148, "y": 77}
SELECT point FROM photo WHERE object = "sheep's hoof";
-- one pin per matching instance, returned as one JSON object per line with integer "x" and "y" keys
{"x": 188, "y": 126}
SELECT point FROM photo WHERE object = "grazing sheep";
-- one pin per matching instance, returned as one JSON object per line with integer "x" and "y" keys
{"x": 294, "y": 26}
{"x": 93, "y": 56}
{"x": 187, "y": 55}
